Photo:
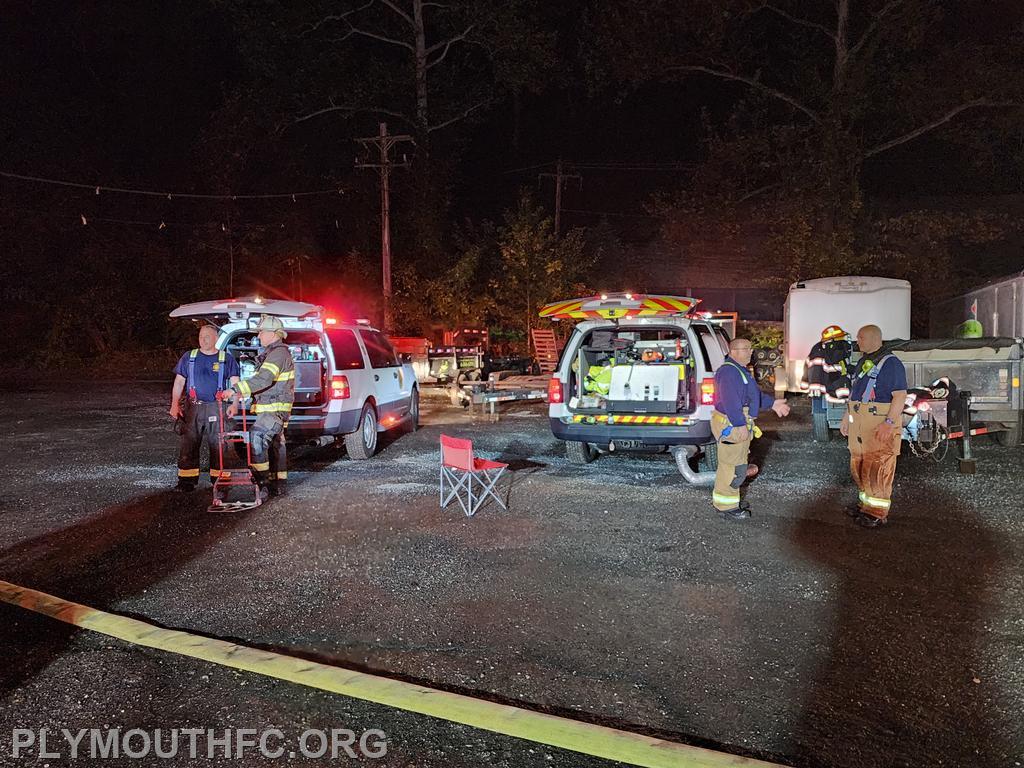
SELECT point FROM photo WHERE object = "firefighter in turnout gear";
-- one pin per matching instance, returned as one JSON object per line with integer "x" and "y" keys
{"x": 272, "y": 389}
{"x": 738, "y": 401}
{"x": 873, "y": 425}
{"x": 204, "y": 371}
{"x": 827, "y": 367}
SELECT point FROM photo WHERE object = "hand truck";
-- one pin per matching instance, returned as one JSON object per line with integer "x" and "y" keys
{"x": 235, "y": 490}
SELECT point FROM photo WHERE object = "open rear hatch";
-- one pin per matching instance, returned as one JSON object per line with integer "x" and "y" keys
{"x": 630, "y": 369}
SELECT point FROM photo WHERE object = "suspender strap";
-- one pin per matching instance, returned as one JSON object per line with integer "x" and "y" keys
{"x": 869, "y": 393}
{"x": 743, "y": 374}
{"x": 192, "y": 374}
{"x": 220, "y": 371}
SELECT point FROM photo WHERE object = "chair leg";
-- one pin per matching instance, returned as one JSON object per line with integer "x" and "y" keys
{"x": 488, "y": 482}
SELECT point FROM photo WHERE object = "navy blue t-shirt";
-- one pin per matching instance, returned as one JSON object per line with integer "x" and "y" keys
{"x": 207, "y": 372}
{"x": 891, "y": 378}
{"x": 735, "y": 388}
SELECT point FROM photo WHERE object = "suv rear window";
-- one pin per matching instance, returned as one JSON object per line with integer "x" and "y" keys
{"x": 347, "y": 355}
{"x": 379, "y": 350}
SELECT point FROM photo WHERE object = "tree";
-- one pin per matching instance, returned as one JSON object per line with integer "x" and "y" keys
{"x": 807, "y": 96}
{"x": 537, "y": 266}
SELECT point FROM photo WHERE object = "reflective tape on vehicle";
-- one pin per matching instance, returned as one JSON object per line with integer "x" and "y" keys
{"x": 664, "y": 421}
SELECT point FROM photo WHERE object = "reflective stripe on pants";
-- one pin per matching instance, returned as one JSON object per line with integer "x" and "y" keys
{"x": 731, "y": 455}
{"x": 872, "y": 463}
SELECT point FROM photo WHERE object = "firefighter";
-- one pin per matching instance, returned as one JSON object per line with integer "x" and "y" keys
{"x": 826, "y": 366}
{"x": 738, "y": 401}
{"x": 272, "y": 389}
{"x": 873, "y": 425}
{"x": 204, "y": 370}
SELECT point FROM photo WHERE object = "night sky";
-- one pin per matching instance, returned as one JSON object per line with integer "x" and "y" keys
{"x": 202, "y": 97}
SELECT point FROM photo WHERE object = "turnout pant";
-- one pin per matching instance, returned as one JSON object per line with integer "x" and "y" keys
{"x": 200, "y": 423}
{"x": 732, "y": 463}
{"x": 872, "y": 463}
{"x": 266, "y": 437}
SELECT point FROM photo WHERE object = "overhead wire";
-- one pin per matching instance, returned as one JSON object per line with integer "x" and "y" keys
{"x": 171, "y": 195}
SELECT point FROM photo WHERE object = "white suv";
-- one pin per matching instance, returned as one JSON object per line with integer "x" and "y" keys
{"x": 636, "y": 373}
{"x": 349, "y": 382}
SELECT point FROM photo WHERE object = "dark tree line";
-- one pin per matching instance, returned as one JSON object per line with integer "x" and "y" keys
{"x": 800, "y": 122}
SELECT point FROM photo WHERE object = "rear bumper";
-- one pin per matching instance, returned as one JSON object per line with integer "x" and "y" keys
{"x": 697, "y": 433}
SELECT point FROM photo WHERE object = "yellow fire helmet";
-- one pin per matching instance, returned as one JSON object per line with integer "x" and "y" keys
{"x": 832, "y": 332}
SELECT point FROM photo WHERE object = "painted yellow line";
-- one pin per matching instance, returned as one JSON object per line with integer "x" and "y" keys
{"x": 626, "y": 747}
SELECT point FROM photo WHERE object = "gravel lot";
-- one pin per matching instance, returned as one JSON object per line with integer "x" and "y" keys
{"x": 610, "y": 592}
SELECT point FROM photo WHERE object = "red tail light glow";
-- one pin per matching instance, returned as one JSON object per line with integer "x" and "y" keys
{"x": 707, "y": 392}
{"x": 331, "y": 321}
{"x": 555, "y": 394}
{"x": 340, "y": 390}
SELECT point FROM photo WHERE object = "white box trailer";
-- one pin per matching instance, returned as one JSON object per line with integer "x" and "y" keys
{"x": 1000, "y": 309}
{"x": 849, "y": 302}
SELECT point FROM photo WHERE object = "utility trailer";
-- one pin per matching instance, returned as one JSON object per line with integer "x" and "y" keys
{"x": 978, "y": 386}
{"x": 503, "y": 387}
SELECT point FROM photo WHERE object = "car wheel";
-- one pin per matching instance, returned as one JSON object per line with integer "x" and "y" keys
{"x": 579, "y": 453}
{"x": 709, "y": 458}
{"x": 820, "y": 430}
{"x": 362, "y": 443}
{"x": 414, "y": 411}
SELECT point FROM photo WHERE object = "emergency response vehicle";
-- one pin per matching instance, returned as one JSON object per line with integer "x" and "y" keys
{"x": 349, "y": 382}
{"x": 637, "y": 373}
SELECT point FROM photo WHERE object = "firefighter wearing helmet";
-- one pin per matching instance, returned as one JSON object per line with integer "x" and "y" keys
{"x": 272, "y": 389}
{"x": 826, "y": 372}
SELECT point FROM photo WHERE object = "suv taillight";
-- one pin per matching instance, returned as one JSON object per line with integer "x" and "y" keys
{"x": 707, "y": 392}
{"x": 340, "y": 390}
{"x": 555, "y": 390}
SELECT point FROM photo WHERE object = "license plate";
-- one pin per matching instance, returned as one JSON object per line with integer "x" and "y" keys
{"x": 629, "y": 444}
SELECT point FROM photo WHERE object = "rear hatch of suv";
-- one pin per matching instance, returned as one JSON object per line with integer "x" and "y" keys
{"x": 305, "y": 339}
{"x": 634, "y": 364}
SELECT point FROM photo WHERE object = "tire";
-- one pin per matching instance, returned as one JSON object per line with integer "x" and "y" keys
{"x": 362, "y": 443}
{"x": 709, "y": 458}
{"x": 579, "y": 453}
{"x": 1008, "y": 438}
{"x": 820, "y": 430}
{"x": 414, "y": 410}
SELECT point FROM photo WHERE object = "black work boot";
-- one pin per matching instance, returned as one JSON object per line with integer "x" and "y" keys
{"x": 185, "y": 486}
{"x": 742, "y": 512}
{"x": 279, "y": 488}
{"x": 865, "y": 520}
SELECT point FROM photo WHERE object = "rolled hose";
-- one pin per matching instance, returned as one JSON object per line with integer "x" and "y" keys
{"x": 682, "y": 455}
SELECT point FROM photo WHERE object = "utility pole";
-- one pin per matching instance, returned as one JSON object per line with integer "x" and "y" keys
{"x": 384, "y": 142}
{"x": 560, "y": 176}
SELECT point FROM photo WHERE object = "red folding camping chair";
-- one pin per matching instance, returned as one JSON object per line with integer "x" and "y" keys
{"x": 462, "y": 473}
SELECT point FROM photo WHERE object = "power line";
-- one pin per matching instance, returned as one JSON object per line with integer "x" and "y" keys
{"x": 170, "y": 195}
{"x": 529, "y": 167}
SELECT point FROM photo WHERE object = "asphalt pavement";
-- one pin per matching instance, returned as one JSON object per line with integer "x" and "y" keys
{"x": 610, "y": 593}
